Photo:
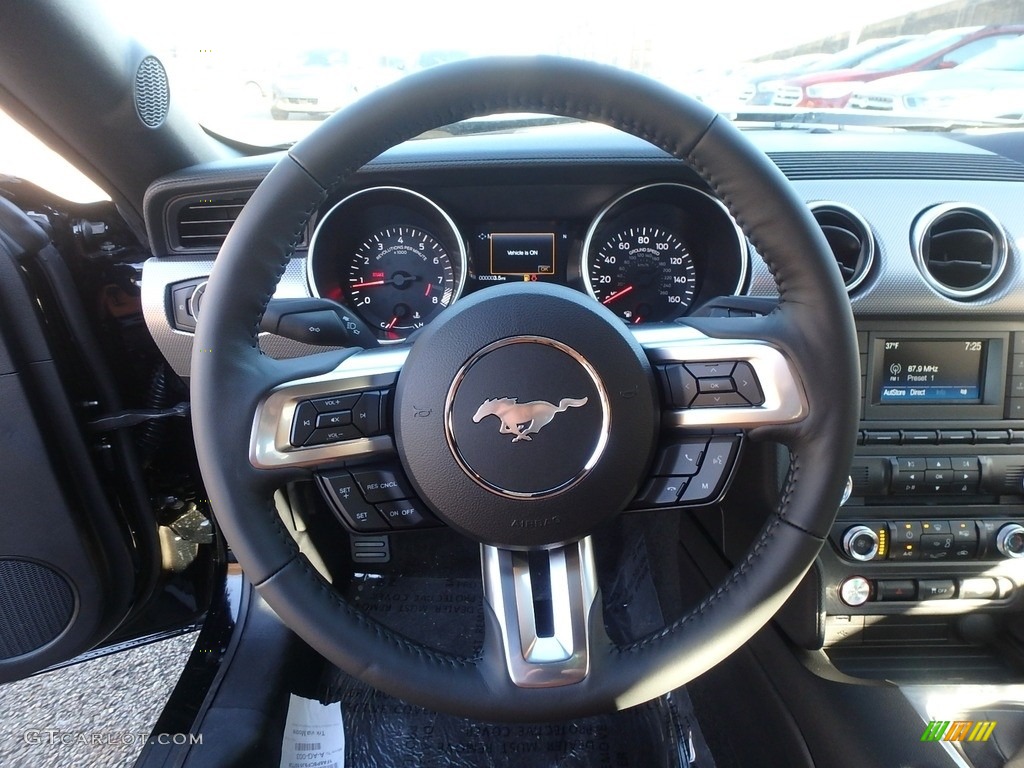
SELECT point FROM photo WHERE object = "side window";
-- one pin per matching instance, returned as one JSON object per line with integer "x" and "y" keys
{"x": 26, "y": 157}
{"x": 972, "y": 49}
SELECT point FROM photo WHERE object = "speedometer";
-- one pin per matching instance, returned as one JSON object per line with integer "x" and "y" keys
{"x": 643, "y": 273}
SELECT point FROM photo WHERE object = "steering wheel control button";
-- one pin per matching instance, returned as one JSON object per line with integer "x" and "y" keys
{"x": 337, "y": 419}
{"x": 715, "y": 385}
{"x": 662, "y": 491}
{"x": 379, "y": 485}
{"x": 682, "y": 459}
{"x": 746, "y": 383}
{"x": 407, "y": 513}
{"x": 679, "y": 384}
{"x": 711, "y": 384}
{"x": 343, "y": 495}
{"x": 329, "y": 435}
{"x": 366, "y": 414}
{"x": 527, "y": 417}
{"x": 715, "y": 468}
{"x": 336, "y": 403}
{"x": 855, "y": 591}
{"x": 715, "y": 400}
{"x": 303, "y": 424}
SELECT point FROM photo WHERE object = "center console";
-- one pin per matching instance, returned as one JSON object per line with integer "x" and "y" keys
{"x": 934, "y": 522}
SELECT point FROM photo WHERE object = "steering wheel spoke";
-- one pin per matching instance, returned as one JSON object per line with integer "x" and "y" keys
{"x": 723, "y": 383}
{"x": 712, "y": 391}
{"x": 330, "y": 418}
{"x": 542, "y": 600}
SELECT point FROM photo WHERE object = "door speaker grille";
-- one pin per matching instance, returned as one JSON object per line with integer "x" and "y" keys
{"x": 36, "y": 605}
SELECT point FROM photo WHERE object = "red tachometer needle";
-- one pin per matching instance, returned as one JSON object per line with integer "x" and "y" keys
{"x": 618, "y": 294}
{"x": 429, "y": 286}
{"x": 367, "y": 285}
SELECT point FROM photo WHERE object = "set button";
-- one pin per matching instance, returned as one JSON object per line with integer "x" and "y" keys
{"x": 375, "y": 500}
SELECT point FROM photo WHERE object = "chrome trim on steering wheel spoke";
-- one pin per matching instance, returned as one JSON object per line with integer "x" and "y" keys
{"x": 784, "y": 399}
{"x": 270, "y": 442}
{"x": 561, "y": 656}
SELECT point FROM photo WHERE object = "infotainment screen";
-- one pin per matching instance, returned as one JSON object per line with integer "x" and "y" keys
{"x": 931, "y": 371}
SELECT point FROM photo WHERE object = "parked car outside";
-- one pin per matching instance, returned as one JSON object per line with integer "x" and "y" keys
{"x": 943, "y": 49}
{"x": 320, "y": 83}
{"x": 844, "y": 59}
{"x": 991, "y": 84}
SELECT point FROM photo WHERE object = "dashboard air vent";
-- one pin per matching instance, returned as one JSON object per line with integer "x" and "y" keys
{"x": 204, "y": 223}
{"x": 960, "y": 249}
{"x": 850, "y": 239}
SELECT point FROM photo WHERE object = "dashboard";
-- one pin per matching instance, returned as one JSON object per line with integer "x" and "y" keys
{"x": 397, "y": 258}
{"x": 925, "y": 230}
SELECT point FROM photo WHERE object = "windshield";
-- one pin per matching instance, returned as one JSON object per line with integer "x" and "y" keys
{"x": 266, "y": 73}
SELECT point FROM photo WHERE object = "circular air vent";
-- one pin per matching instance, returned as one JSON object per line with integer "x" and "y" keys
{"x": 152, "y": 93}
{"x": 850, "y": 239}
{"x": 960, "y": 249}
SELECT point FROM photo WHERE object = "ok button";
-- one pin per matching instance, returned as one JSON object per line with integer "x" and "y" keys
{"x": 715, "y": 385}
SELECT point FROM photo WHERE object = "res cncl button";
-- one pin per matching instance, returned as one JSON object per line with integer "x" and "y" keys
{"x": 374, "y": 500}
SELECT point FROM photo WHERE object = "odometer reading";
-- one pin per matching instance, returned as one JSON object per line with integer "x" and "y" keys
{"x": 398, "y": 279}
{"x": 643, "y": 274}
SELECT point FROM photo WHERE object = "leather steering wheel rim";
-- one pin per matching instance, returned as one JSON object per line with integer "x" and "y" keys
{"x": 813, "y": 326}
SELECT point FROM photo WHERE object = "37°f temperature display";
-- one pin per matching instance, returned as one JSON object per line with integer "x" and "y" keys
{"x": 931, "y": 371}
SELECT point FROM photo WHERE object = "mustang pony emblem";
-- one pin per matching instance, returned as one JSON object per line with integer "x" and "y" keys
{"x": 524, "y": 419}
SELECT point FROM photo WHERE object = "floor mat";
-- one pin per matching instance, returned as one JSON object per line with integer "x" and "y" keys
{"x": 447, "y": 613}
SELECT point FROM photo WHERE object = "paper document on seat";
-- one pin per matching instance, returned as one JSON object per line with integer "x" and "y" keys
{"x": 314, "y": 735}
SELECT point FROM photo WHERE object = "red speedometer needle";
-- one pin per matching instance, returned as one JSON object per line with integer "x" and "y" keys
{"x": 618, "y": 294}
{"x": 367, "y": 285}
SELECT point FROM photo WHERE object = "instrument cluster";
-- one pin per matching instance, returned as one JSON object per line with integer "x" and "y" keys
{"x": 398, "y": 259}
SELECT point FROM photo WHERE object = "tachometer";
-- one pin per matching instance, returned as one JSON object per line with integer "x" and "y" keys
{"x": 398, "y": 279}
{"x": 390, "y": 254}
{"x": 643, "y": 273}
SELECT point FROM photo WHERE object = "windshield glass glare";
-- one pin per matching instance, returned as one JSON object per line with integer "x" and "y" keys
{"x": 265, "y": 73}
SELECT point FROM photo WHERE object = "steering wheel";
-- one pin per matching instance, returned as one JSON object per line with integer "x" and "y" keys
{"x": 518, "y": 488}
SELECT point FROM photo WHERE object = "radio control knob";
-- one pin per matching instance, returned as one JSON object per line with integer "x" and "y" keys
{"x": 855, "y": 591}
{"x": 1010, "y": 540}
{"x": 861, "y": 543}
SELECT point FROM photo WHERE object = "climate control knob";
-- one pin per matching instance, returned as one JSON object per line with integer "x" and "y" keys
{"x": 1010, "y": 540}
{"x": 861, "y": 543}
